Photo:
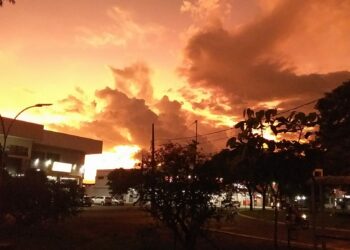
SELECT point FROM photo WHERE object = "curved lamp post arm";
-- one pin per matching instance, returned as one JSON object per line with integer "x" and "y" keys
{"x": 7, "y": 131}
{"x": 20, "y": 112}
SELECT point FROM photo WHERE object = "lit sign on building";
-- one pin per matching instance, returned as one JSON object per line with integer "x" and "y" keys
{"x": 61, "y": 167}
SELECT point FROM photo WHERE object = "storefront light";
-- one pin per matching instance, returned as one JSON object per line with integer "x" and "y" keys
{"x": 36, "y": 162}
{"x": 62, "y": 167}
{"x": 48, "y": 162}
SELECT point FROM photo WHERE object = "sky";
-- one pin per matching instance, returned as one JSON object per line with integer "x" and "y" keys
{"x": 111, "y": 68}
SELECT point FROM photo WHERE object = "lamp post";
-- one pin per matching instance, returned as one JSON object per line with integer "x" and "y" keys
{"x": 6, "y": 131}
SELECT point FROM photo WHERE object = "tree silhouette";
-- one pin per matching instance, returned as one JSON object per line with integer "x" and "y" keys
{"x": 10, "y": 1}
{"x": 177, "y": 190}
{"x": 120, "y": 180}
{"x": 33, "y": 199}
{"x": 334, "y": 132}
{"x": 180, "y": 191}
{"x": 258, "y": 162}
{"x": 249, "y": 149}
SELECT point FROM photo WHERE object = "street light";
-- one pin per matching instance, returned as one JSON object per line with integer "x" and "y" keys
{"x": 6, "y": 131}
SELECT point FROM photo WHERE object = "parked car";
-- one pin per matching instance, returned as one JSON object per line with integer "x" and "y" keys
{"x": 102, "y": 200}
{"x": 86, "y": 201}
{"x": 117, "y": 201}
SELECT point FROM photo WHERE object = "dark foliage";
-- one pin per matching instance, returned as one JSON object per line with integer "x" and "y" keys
{"x": 10, "y": 1}
{"x": 120, "y": 180}
{"x": 335, "y": 129}
{"x": 257, "y": 162}
{"x": 176, "y": 189}
{"x": 33, "y": 199}
{"x": 179, "y": 189}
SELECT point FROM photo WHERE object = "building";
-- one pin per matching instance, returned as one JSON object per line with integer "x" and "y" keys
{"x": 60, "y": 155}
{"x": 100, "y": 187}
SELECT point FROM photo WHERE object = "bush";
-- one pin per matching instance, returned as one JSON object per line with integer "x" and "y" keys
{"x": 33, "y": 199}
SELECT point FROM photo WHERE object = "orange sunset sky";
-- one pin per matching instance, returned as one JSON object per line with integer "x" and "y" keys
{"x": 111, "y": 68}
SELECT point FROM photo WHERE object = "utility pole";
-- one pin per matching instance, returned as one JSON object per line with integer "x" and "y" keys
{"x": 196, "y": 142}
{"x": 152, "y": 149}
{"x": 153, "y": 163}
{"x": 196, "y": 122}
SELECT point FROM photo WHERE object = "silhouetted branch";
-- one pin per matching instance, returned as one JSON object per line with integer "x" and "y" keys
{"x": 10, "y": 1}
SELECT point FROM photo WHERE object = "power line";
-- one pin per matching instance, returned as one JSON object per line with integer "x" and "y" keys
{"x": 200, "y": 135}
{"x": 224, "y": 130}
{"x": 297, "y": 107}
{"x": 216, "y": 139}
{"x": 204, "y": 142}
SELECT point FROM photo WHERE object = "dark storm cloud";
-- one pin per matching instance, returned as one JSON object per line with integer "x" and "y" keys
{"x": 127, "y": 115}
{"x": 134, "y": 80}
{"x": 245, "y": 67}
{"x": 120, "y": 120}
{"x": 121, "y": 116}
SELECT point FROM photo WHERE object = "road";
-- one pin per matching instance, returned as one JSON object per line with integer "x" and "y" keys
{"x": 252, "y": 228}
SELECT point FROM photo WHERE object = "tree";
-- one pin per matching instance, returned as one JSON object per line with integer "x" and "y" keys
{"x": 177, "y": 190}
{"x": 334, "y": 133}
{"x": 294, "y": 157}
{"x": 33, "y": 199}
{"x": 276, "y": 164}
{"x": 10, "y": 1}
{"x": 249, "y": 149}
{"x": 120, "y": 180}
{"x": 288, "y": 160}
{"x": 180, "y": 191}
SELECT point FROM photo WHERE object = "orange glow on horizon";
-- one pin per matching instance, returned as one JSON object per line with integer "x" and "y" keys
{"x": 122, "y": 157}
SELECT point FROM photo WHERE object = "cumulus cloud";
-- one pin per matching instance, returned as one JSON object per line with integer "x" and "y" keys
{"x": 131, "y": 116}
{"x": 172, "y": 120}
{"x": 281, "y": 58}
{"x": 121, "y": 120}
{"x": 127, "y": 111}
{"x": 251, "y": 65}
{"x": 134, "y": 81}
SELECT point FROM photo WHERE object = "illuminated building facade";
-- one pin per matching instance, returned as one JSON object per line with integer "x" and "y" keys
{"x": 60, "y": 155}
